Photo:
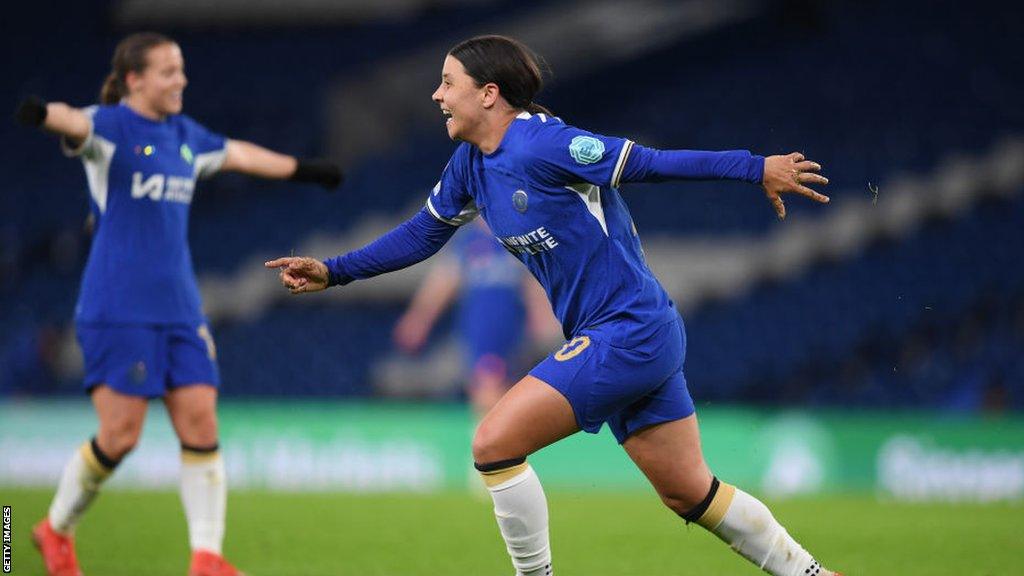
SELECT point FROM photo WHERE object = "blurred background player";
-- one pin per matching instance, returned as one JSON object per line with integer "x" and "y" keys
{"x": 502, "y": 313}
{"x": 549, "y": 193}
{"x": 139, "y": 319}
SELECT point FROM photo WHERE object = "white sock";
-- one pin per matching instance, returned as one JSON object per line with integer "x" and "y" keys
{"x": 522, "y": 513}
{"x": 745, "y": 524}
{"x": 79, "y": 484}
{"x": 204, "y": 495}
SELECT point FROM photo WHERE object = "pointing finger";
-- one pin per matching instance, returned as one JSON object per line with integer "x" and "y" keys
{"x": 279, "y": 262}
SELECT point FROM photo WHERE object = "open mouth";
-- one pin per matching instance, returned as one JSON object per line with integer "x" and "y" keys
{"x": 448, "y": 116}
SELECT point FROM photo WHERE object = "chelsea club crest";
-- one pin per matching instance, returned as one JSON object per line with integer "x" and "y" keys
{"x": 520, "y": 200}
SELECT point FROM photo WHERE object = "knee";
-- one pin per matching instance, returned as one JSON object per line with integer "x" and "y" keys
{"x": 681, "y": 503}
{"x": 488, "y": 446}
{"x": 199, "y": 427}
{"x": 686, "y": 496}
{"x": 119, "y": 437}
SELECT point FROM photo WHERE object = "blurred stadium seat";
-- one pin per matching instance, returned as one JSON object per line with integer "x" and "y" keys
{"x": 869, "y": 328}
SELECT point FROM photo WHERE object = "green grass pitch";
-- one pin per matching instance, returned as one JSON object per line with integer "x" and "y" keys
{"x": 593, "y": 534}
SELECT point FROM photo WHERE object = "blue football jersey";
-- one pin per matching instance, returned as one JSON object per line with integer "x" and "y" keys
{"x": 549, "y": 194}
{"x": 141, "y": 175}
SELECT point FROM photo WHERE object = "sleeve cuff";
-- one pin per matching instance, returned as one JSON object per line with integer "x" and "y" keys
{"x": 335, "y": 277}
{"x": 755, "y": 169}
{"x": 83, "y": 146}
{"x": 75, "y": 151}
{"x": 209, "y": 163}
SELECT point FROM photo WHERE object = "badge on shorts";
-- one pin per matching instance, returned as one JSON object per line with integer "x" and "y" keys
{"x": 586, "y": 149}
{"x": 138, "y": 372}
{"x": 572, "y": 348}
{"x": 520, "y": 200}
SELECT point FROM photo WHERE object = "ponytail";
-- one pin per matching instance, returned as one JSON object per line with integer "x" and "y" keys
{"x": 113, "y": 90}
{"x": 534, "y": 108}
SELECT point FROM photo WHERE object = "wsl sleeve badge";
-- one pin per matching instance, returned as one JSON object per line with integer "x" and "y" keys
{"x": 586, "y": 149}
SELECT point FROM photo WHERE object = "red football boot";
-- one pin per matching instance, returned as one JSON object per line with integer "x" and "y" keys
{"x": 58, "y": 550}
{"x": 206, "y": 563}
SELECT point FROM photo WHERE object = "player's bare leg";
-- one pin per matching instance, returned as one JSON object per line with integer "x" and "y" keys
{"x": 193, "y": 413}
{"x": 121, "y": 418}
{"x": 669, "y": 454}
{"x": 530, "y": 416}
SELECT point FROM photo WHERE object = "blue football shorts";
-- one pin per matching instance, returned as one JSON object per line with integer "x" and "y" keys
{"x": 148, "y": 360}
{"x": 629, "y": 388}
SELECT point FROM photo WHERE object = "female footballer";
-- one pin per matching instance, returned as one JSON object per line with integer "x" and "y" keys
{"x": 549, "y": 193}
{"x": 139, "y": 319}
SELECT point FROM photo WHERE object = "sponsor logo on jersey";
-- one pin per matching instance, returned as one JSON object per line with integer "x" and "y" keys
{"x": 535, "y": 242}
{"x": 586, "y": 149}
{"x": 572, "y": 348}
{"x": 186, "y": 154}
{"x": 159, "y": 187}
{"x": 520, "y": 200}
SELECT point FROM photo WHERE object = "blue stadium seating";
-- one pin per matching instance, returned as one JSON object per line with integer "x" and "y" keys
{"x": 870, "y": 90}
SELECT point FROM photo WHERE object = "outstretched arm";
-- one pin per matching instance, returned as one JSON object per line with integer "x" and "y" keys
{"x": 412, "y": 241}
{"x": 652, "y": 165}
{"x": 56, "y": 117}
{"x": 239, "y": 156}
{"x": 255, "y": 160}
{"x": 789, "y": 174}
{"x": 565, "y": 154}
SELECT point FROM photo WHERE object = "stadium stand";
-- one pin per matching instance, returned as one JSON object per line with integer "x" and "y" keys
{"x": 932, "y": 305}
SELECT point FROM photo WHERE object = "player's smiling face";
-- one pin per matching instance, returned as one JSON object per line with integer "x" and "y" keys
{"x": 158, "y": 89}
{"x": 460, "y": 100}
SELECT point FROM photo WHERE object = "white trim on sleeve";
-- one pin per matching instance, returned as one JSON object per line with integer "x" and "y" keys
{"x": 208, "y": 163}
{"x": 466, "y": 215}
{"x": 620, "y": 165}
{"x": 97, "y": 170}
